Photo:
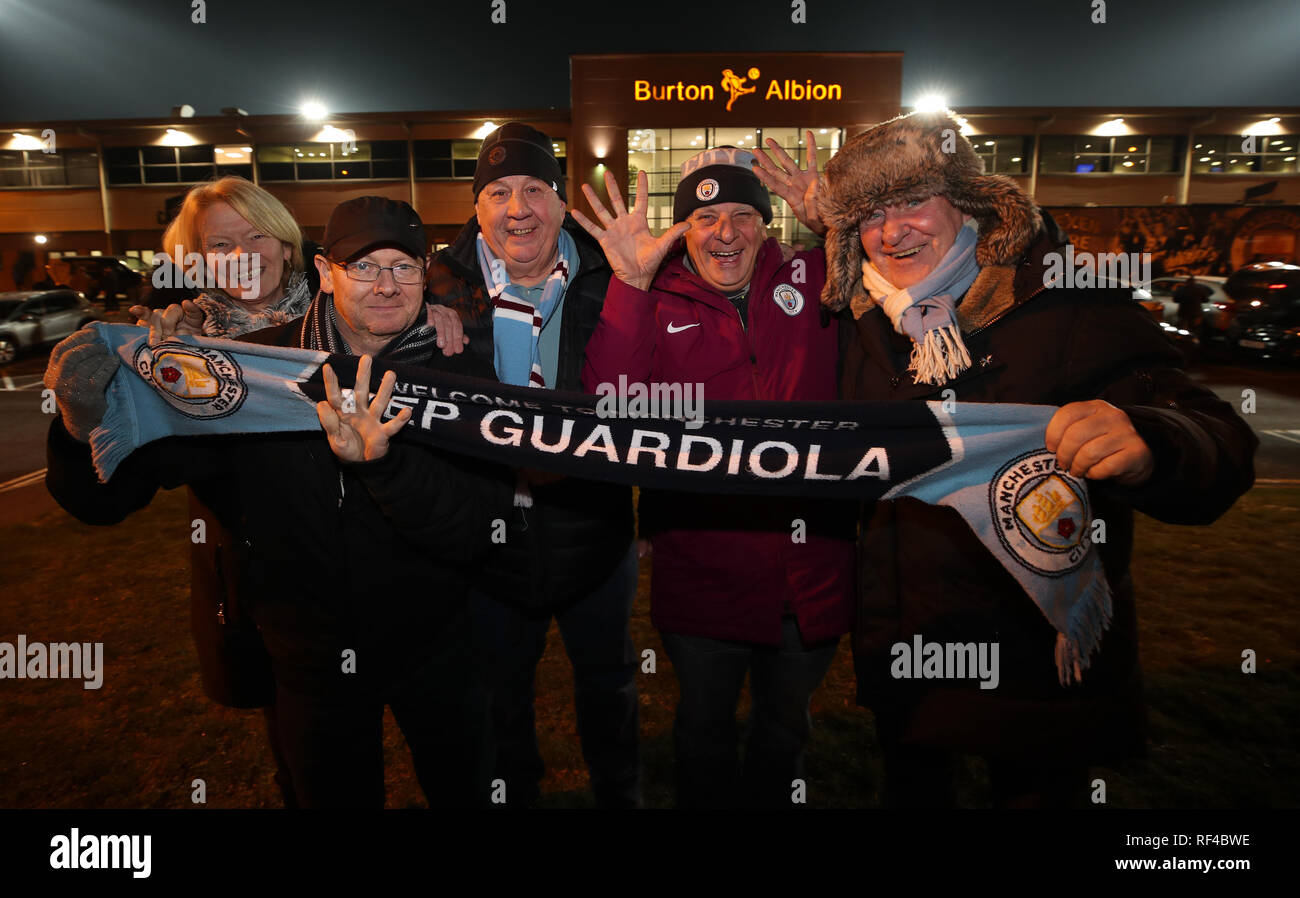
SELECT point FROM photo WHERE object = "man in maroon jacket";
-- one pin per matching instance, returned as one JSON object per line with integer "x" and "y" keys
{"x": 739, "y": 584}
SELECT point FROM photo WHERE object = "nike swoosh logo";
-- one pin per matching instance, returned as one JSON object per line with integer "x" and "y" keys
{"x": 676, "y": 330}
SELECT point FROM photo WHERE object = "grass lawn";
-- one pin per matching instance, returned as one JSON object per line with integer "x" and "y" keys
{"x": 1219, "y": 737}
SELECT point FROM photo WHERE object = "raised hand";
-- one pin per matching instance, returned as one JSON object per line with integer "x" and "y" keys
{"x": 798, "y": 187}
{"x": 633, "y": 252}
{"x": 354, "y": 425}
{"x": 163, "y": 324}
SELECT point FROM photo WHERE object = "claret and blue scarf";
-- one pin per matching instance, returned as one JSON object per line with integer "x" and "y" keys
{"x": 987, "y": 461}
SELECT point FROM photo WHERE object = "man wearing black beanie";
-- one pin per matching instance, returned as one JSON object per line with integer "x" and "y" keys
{"x": 716, "y": 301}
{"x": 528, "y": 284}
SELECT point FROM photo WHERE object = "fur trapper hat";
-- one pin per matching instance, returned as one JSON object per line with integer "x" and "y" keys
{"x": 902, "y": 160}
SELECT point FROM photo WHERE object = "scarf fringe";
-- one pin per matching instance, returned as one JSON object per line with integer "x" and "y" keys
{"x": 523, "y": 493}
{"x": 118, "y": 433}
{"x": 940, "y": 357}
{"x": 1089, "y": 619}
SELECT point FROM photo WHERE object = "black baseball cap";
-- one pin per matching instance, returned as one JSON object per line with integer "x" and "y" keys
{"x": 358, "y": 226}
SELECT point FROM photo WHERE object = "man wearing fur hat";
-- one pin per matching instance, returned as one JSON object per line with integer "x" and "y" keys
{"x": 715, "y": 301}
{"x": 940, "y": 271}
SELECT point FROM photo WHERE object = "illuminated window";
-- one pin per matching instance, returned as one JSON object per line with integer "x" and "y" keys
{"x": 174, "y": 165}
{"x": 1226, "y": 154}
{"x": 445, "y": 159}
{"x": 455, "y": 160}
{"x": 164, "y": 165}
{"x": 34, "y": 168}
{"x": 363, "y": 160}
{"x": 1003, "y": 155}
{"x": 1121, "y": 155}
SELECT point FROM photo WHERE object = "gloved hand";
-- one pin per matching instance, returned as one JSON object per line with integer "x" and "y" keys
{"x": 79, "y": 371}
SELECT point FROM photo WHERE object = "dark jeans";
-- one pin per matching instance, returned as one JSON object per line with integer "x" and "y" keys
{"x": 710, "y": 673}
{"x": 333, "y": 746}
{"x": 595, "y": 631}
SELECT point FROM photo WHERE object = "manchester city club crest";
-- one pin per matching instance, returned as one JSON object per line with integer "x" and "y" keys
{"x": 706, "y": 190}
{"x": 1041, "y": 513}
{"x": 789, "y": 299}
{"x": 197, "y": 381}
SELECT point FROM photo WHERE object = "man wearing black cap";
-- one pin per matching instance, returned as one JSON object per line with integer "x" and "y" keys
{"x": 354, "y": 571}
{"x": 372, "y": 283}
{"x": 528, "y": 284}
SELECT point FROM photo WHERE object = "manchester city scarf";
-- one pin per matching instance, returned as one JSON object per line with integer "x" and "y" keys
{"x": 987, "y": 461}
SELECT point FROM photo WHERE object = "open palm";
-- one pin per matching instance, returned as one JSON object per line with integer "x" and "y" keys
{"x": 797, "y": 186}
{"x": 633, "y": 252}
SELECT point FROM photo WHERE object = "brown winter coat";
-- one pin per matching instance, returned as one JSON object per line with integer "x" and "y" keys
{"x": 922, "y": 570}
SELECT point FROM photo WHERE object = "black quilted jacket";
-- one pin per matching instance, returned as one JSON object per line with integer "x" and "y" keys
{"x": 922, "y": 570}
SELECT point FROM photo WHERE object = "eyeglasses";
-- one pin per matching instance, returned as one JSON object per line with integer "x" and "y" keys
{"x": 403, "y": 273}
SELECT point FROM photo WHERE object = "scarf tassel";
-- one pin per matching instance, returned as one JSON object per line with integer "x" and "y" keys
{"x": 940, "y": 357}
{"x": 523, "y": 493}
{"x": 1088, "y": 621}
{"x": 118, "y": 433}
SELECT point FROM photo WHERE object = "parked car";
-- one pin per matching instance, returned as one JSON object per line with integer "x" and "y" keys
{"x": 1265, "y": 319}
{"x": 116, "y": 277}
{"x": 36, "y": 318}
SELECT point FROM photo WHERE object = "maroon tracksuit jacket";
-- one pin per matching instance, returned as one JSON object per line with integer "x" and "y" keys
{"x": 729, "y": 567}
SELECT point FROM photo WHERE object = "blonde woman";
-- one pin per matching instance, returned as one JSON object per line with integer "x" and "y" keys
{"x": 238, "y": 221}
{"x": 259, "y": 280}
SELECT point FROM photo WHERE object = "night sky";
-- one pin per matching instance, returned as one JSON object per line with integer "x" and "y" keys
{"x": 91, "y": 59}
